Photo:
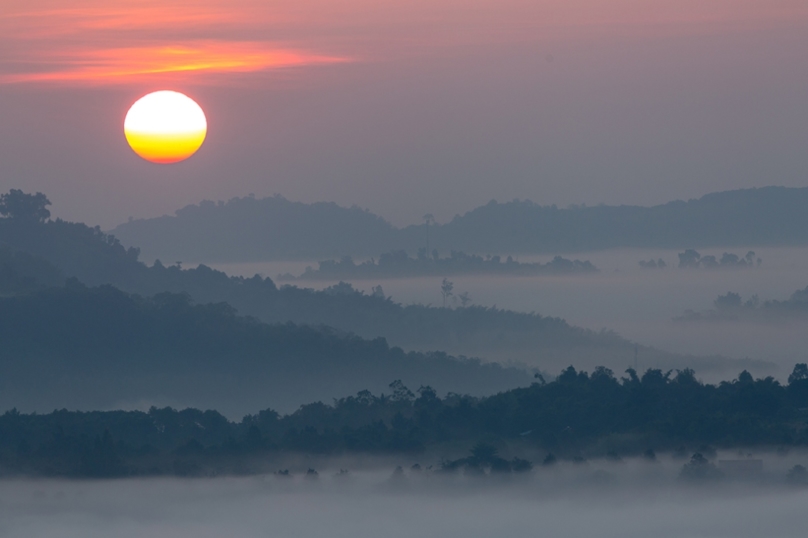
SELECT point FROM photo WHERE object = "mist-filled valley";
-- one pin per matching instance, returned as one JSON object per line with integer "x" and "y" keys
{"x": 646, "y": 388}
{"x": 747, "y": 242}
{"x": 38, "y": 253}
{"x": 644, "y": 305}
{"x": 439, "y": 268}
{"x": 630, "y": 499}
{"x": 640, "y": 308}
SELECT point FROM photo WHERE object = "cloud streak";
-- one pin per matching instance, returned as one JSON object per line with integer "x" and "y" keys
{"x": 125, "y": 42}
{"x": 114, "y": 41}
{"x": 121, "y": 65}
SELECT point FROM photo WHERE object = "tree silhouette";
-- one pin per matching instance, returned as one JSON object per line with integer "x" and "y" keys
{"x": 689, "y": 258}
{"x": 20, "y": 206}
{"x": 446, "y": 288}
{"x": 699, "y": 468}
{"x": 800, "y": 372}
{"x": 400, "y": 392}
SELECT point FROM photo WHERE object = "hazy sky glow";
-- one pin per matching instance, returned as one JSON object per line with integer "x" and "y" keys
{"x": 112, "y": 42}
{"x": 406, "y": 107}
{"x": 97, "y": 42}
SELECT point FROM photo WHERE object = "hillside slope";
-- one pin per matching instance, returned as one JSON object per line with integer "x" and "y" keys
{"x": 100, "y": 348}
{"x": 550, "y": 344}
{"x": 246, "y": 229}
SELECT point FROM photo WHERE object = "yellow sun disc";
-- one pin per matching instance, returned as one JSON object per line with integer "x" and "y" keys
{"x": 165, "y": 127}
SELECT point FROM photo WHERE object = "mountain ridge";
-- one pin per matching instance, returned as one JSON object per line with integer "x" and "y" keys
{"x": 279, "y": 229}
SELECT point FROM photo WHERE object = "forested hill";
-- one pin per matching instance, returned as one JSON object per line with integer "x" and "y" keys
{"x": 761, "y": 216}
{"x": 577, "y": 416}
{"x": 95, "y": 258}
{"x": 248, "y": 229}
{"x": 98, "y": 348}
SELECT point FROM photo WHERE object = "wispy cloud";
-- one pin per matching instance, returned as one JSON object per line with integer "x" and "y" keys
{"x": 122, "y": 41}
{"x": 119, "y": 65}
{"x": 113, "y": 41}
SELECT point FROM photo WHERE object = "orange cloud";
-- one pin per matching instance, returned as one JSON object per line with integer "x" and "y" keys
{"x": 120, "y": 41}
{"x": 110, "y": 41}
{"x": 126, "y": 64}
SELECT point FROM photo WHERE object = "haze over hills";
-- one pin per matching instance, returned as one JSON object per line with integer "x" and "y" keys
{"x": 99, "y": 348}
{"x": 537, "y": 341}
{"x": 249, "y": 229}
{"x": 66, "y": 345}
{"x": 473, "y": 352}
{"x": 732, "y": 307}
{"x": 257, "y": 229}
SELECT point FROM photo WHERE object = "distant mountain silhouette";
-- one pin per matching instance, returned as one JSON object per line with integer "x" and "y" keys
{"x": 248, "y": 229}
{"x": 94, "y": 258}
{"x": 762, "y": 216}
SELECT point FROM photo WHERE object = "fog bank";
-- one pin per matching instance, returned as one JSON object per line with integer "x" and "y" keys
{"x": 637, "y": 303}
{"x": 620, "y": 500}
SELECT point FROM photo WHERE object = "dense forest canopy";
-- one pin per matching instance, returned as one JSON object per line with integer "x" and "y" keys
{"x": 576, "y": 416}
{"x": 248, "y": 229}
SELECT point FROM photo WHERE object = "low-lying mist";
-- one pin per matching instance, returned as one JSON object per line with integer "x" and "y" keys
{"x": 600, "y": 498}
{"x": 638, "y": 303}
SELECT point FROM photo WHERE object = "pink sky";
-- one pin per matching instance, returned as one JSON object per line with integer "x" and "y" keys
{"x": 406, "y": 107}
{"x": 112, "y": 42}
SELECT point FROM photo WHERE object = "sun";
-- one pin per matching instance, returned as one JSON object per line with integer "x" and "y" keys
{"x": 165, "y": 127}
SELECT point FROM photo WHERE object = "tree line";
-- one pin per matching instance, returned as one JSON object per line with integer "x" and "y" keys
{"x": 573, "y": 416}
{"x": 398, "y": 264}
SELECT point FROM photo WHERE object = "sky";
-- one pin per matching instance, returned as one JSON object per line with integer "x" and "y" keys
{"x": 406, "y": 108}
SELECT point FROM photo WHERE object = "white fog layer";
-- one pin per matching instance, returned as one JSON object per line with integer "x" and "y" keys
{"x": 374, "y": 505}
{"x": 639, "y": 304}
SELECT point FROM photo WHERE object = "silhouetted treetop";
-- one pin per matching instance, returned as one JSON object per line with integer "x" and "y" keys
{"x": 21, "y": 206}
